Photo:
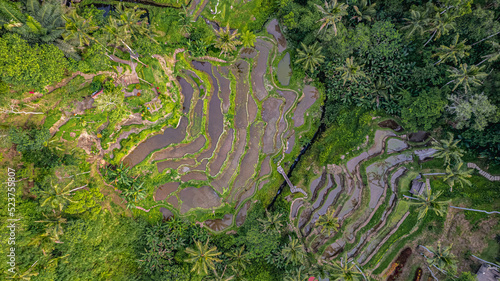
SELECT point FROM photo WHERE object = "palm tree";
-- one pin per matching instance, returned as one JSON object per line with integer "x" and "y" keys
{"x": 457, "y": 174}
{"x": 441, "y": 258}
{"x": 227, "y": 40}
{"x": 364, "y": 11}
{"x": 441, "y": 24}
{"x": 78, "y": 29}
{"x": 416, "y": 23}
{"x": 448, "y": 149}
{"x": 428, "y": 201}
{"x": 332, "y": 13}
{"x": 26, "y": 275}
{"x": 185, "y": 22}
{"x": 203, "y": 257}
{"x": 248, "y": 39}
{"x": 271, "y": 223}
{"x": 54, "y": 226}
{"x": 310, "y": 56}
{"x": 455, "y": 49}
{"x": 41, "y": 24}
{"x": 239, "y": 260}
{"x": 135, "y": 194}
{"x": 350, "y": 71}
{"x": 293, "y": 252}
{"x": 299, "y": 274}
{"x": 57, "y": 197}
{"x": 221, "y": 277}
{"x": 495, "y": 55}
{"x": 44, "y": 242}
{"x": 130, "y": 20}
{"x": 115, "y": 36}
{"x": 120, "y": 174}
{"x": 328, "y": 223}
{"x": 343, "y": 270}
{"x": 467, "y": 76}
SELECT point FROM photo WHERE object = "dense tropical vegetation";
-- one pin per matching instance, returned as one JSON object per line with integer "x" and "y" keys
{"x": 430, "y": 65}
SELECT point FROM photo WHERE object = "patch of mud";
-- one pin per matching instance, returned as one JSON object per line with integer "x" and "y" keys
{"x": 196, "y": 176}
{"x": 174, "y": 164}
{"x": 395, "y": 145}
{"x": 284, "y": 71}
{"x": 260, "y": 69}
{"x": 270, "y": 115}
{"x": 265, "y": 169}
{"x": 419, "y": 136}
{"x": 375, "y": 175}
{"x": 425, "y": 153}
{"x": 240, "y": 71}
{"x": 295, "y": 207}
{"x": 166, "y": 213}
{"x": 169, "y": 136}
{"x": 222, "y": 182}
{"x": 219, "y": 157}
{"x": 180, "y": 151}
{"x": 242, "y": 214}
{"x": 375, "y": 149}
{"x": 165, "y": 190}
{"x": 173, "y": 201}
{"x": 310, "y": 96}
{"x": 204, "y": 197}
{"x": 247, "y": 194}
{"x": 290, "y": 143}
{"x": 225, "y": 90}
{"x": 391, "y": 124}
{"x": 252, "y": 109}
{"x": 187, "y": 92}
{"x": 220, "y": 224}
{"x": 248, "y": 53}
{"x": 274, "y": 28}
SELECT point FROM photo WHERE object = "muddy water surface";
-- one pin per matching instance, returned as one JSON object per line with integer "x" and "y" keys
{"x": 284, "y": 70}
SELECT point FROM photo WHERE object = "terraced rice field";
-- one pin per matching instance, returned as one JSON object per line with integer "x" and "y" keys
{"x": 234, "y": 121}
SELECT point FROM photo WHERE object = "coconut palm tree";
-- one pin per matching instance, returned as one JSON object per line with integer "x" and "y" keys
{"x": 466, "y": 76}
{"x": 343, "y": 270}
{"x": 248, "y": 39}
{"x": 448, "y": 149}
{"x": 309, "y": 56}
{"x": 328, "y": 223}
{"x": 132, "y": 22}
{"x": 53, "y": 226}
{"x": 440, "y": 24}
{"x": 416, "y": 23}
{"x": 44, "y": 242}
{"x": 364, "y": 11}
{"x": 239, "y": 259}
{"x": 350, "y": 71}
{"x": 428, "y": 201}
{"x": 271, "y": 223}
{"x": 185, "y": 22}
{"x": 457, "y": 174}
{"x": 57, "y": 197}
{"x": 115, "y": 36}
{"x": 293, "y": 252}
{"x": 26, "y": 275}
{"x": 202, "y": 257}
{"x": 441, "y": 258}
{"x": 450, "y": 53}
{"x": 299, "y": 274}
{"x": 135, "y": 194}
{"x": 221, "y": 277}
{"x": 495, "y": 55}
{"x": 120, "y": 175}
{"x": 227, "y": 40}
{"x": 78, "y": 29}
{"x": 332, "y": 13}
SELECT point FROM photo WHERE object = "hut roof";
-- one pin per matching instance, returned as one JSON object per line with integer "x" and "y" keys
{"x": 488, "y": 273}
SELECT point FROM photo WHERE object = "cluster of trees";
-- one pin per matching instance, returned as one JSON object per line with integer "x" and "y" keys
{"x": 431, "y": 63}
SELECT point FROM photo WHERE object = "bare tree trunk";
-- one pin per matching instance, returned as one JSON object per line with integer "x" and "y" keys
{"x": 486, "y": 261}
{"x": 482, "y": 62}
{"x": 77, "y": 188}
{"x": 485, "y": 38}
{"x": 438, "y": 62}
{"x": 432, "y": 273}
{"x": 430, "y": 38}
{"x": 475, "y": 210}
{"x": 360, "y": 270}
{"x": 409, "y": 197}
{"x": 13, "y": 111}
{"x": 426, "y": 249}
